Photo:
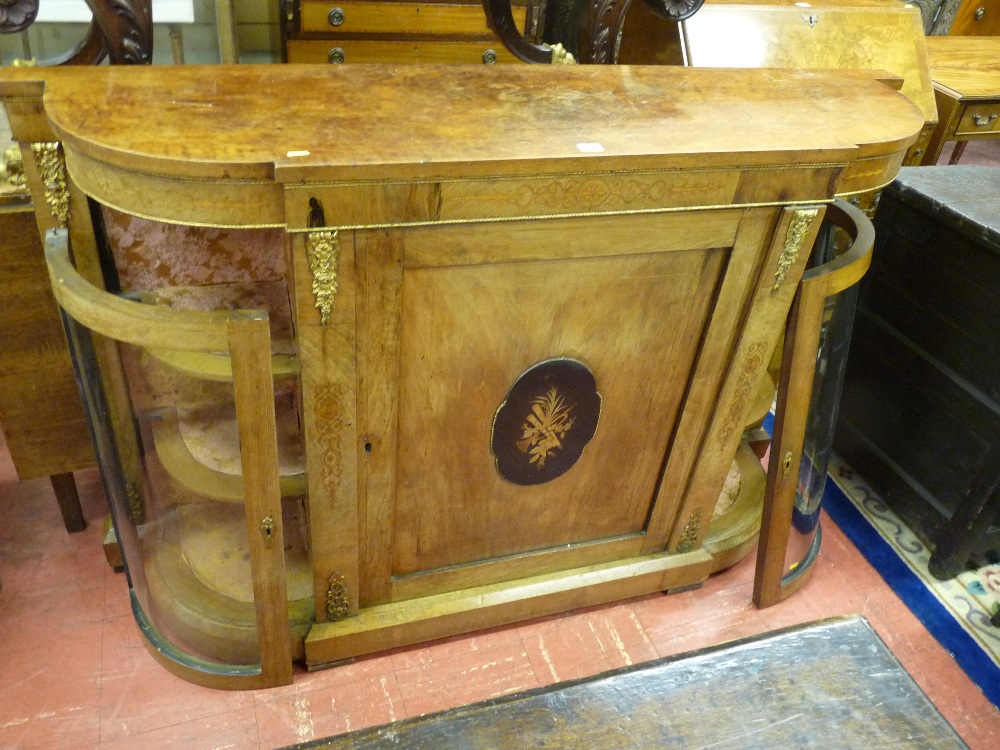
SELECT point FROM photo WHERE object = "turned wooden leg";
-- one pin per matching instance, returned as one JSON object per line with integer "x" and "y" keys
{"x": 69, "y": 502}
{"x": 949, "y": 113}
{"x": 225, "y": 21}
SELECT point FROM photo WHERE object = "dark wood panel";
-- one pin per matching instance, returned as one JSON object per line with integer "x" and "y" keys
{"x": 940, "y": 292}
{"x": 919, "y": 417}
{"x": 920, "y": 411}
{"x": 832, "y": 684}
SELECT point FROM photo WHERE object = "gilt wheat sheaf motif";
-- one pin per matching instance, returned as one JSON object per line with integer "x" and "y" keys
{"x": 545, "y": 427}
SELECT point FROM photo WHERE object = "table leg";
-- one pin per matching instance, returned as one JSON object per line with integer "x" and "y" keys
{"x": 948, "y": 109}
{"x": 957, "y": 153}
{"x": 69, "y": 502}
{"x": 226, "y": 22}
{"x": 177, "y": 44}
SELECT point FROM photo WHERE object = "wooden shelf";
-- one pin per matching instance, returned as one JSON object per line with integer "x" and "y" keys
{"x": 206, "y": 460}
{"x": 217, "y": 367}
{"x": 198, "y": 573}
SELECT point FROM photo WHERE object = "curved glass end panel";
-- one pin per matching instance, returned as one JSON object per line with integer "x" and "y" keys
{"x": 817, "y": 340}
{"x": 191, "y": 398}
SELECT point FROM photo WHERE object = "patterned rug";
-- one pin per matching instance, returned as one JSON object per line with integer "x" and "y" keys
{"x": 956, "y": 612}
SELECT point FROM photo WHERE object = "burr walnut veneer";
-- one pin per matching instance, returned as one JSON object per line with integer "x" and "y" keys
{"x": 454, "y": 347}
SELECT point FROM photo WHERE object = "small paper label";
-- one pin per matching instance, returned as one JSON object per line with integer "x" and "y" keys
{"x": 590, "y": 148}
{"x": 292, "y": 154}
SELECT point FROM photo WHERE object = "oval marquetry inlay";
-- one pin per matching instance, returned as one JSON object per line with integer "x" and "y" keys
{"x": 545, "y": 422}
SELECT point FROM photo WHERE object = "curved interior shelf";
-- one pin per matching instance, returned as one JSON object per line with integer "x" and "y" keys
{"x": 217, "y": 367}
{"x": 199, "y": 449}
{"x": 736, "y": 523}
{"x": 200, "y": 585}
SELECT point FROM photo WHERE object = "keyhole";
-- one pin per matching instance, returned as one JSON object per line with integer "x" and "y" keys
{"x": 267, "y": 531}
{"x": 786, "y": 465}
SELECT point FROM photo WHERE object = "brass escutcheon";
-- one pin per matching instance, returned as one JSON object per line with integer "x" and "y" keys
{"x": 267, "y": 531}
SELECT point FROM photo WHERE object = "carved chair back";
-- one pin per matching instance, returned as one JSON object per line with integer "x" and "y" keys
{"x": 121, "y": 31}
{"x": 585, "y": 31}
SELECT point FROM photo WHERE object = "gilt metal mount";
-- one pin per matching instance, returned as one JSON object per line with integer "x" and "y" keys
{"x": 802, "y": 219}
{"x": 52, "y": 167}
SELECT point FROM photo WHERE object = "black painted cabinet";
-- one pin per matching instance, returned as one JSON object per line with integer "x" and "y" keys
{"x": 921, "y": 403}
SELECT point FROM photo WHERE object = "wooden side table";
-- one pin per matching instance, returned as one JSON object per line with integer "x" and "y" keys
{"x": 40, "y": 408}
{"x": 966, "y": 75}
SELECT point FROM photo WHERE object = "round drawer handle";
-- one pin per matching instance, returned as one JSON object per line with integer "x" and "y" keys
{"x": 336, "y": 55}
{"x": 336, "y": 17}
{"x": 982, "y": 121}
{"x": 489, "y": 57}
{"x": 980, "y": 12}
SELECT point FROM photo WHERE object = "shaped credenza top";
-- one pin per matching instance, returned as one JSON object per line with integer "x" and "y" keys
{"x": 222, "y": 141}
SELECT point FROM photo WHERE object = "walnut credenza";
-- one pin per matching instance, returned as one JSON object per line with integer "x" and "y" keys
{"x": 478, "y": 348}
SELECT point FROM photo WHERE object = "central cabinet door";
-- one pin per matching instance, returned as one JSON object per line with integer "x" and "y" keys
{"x": 469, "y": 332}
{"x": 521, "y": 387}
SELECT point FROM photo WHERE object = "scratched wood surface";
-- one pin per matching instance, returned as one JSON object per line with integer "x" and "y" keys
{"x": 831, "y": 684}
{"x": 265, "y": 128}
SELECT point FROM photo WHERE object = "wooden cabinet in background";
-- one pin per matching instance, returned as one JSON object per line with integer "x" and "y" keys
{"x": 977, "y": 18}
{"x": 837, "y": 34}
{"x": 40, "y": 408}
{"x": 399, "y": 31}
{"x": 966, "y": 74}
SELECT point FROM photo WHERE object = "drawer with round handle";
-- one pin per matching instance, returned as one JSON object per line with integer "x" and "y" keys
{"x": 366, "y": 51}
{"x": 350, "y": 17}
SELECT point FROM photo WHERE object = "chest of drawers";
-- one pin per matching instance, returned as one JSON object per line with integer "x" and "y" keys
{"x": 399, "y": 31}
